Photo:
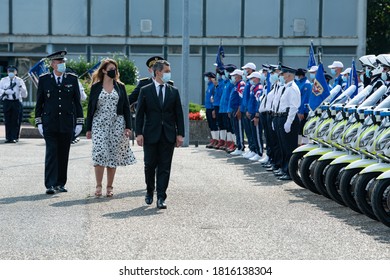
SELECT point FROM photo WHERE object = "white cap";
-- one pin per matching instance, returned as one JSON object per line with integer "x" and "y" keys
{"x": 237, "y": 72}
{"x": 336, "y": 64}
{"x": 249, "y": 65}
{"x": 254, "y": 75}
{"x": 346, "y": 71}
{"x": 313, "y": 69}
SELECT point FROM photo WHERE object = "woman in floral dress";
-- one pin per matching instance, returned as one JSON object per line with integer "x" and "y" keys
{"x": 108, "y": 124}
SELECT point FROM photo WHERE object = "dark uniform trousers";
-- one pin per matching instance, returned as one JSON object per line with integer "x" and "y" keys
{"x": 288, "y": 141}
{"x": 248, "y": 131}
{"x": 56, "y": 159}
{"x": 264, "y": 124}
{"x": 274, "y": 141}
{"x": 257, "y": 136}
{"x": 212, "y": 122}
{"x": 158, "y": 159}
{"x": 11, "y": 117}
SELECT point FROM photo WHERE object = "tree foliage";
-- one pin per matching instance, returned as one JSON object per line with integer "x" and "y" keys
{"x": 378, "y": 26}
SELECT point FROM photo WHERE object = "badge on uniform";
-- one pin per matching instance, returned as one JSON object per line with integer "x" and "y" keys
{"x": 68, "y": 86}
{"x": 48, "y": 94}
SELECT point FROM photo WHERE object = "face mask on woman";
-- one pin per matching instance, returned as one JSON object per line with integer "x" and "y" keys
{"x": 111, "y": 73}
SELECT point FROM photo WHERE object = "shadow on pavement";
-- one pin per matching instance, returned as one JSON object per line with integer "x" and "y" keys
{"x": 137, "y": 212}
{"x": 93, "y": 199}
{"x": 359, "y": 221}
{"x": 35, "y": 197}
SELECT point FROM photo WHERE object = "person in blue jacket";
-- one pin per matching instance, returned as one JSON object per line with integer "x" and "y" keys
{"x": 305, "y": 87}
{"x": 335, "y": 69}
{"x": 209, "y": 78}
{"x": 224, "y": 108}
{"x": 256, "y": 91}
{"x": 217, "y": 105}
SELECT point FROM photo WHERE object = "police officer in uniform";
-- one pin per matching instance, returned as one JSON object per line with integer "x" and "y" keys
{"x": 133, "y": 97}
{"x": 286, "y": 120}
{"x": 12, "y": 90}
{"x": 58, "y": 98}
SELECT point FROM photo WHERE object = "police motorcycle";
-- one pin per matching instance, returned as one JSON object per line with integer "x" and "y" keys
{"x": 314, "y": 120}
{"x": 340, "y": 172}
{"x": 333, "y": 120}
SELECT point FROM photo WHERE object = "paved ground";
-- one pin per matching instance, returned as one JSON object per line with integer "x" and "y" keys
{"x": 219, "y": 207}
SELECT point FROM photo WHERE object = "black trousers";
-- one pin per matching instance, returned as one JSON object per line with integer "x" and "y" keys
{"x": 11, "y": 110}
{"x": 275, "y": 147}
{"x": 158, "y": 162}
{"x": 264, "y": 125}
{"x": 56, "y": 159}
{"x": 288, "y": 141}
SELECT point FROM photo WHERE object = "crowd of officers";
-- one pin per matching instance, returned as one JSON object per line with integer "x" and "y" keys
{"x": 271, "y": 105}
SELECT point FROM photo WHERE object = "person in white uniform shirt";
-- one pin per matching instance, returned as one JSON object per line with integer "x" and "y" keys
{"x": 12, "y": 90}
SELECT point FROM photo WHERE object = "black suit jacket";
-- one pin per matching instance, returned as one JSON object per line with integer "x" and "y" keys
{"x": 56, "y": 105}
{"x": 152, "y": 119}
{"x": 133, "y": 97}
{"x": 122, "y": 108}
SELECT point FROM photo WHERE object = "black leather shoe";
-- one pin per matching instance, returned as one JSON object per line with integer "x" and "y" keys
{"x": 161, "y": 204}
{"x": 50, "y": 190}
{"x": 279, "y": 173}
{"x": 285, "y": 178}
{"x": 148, "y": 199}
{"x": 62, "y": 189}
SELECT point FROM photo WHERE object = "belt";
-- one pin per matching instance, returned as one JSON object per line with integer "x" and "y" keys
{"x": 11, "y": 100}
{"x": 284, "y": 114}
{"x": 266, "y": 112}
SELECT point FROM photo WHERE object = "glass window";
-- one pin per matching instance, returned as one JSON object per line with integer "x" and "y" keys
{"x": 30, "y": 17}
{"x": 76, "y": 19}
{"x": 339, "y": 50}
{"x": 296, "y": 51}
{"x": 4, "y": 18}
{"x": 108, "y": 17}
{"x": 70, "y": 48}
{"x": 3, "y": 47}
{"x": 108, "y": 49}
{"x": 146, "y": 49}
{"x": 261, "y": 50}
{"x": 38, "y": 48}
{"x": 150, "y": 10}
{"x": 227, "y": 50}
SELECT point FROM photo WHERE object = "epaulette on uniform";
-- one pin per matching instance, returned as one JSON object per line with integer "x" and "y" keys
{"x": 72, "y": 74}
{"x": 144, "y": 79}
{"x": 44, "y": 74}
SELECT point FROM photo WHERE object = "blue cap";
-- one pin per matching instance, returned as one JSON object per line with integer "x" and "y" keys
{"x": 287, "y": 69}
{"x": 60, "y": 55}
{"x": 209, "y": 74}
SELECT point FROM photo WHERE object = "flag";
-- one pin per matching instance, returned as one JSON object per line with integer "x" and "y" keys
{"x": 320, "y": 90}
{"x": 38, "y": 69}
{"x": 93, "y": 68}
{"x": 268, "y": 82}
{"x": 220, "y": 56}
{"x": 312, "y": 60}
{"x": 353, "y": 79}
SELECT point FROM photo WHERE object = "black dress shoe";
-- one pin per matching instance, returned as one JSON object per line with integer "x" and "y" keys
{"x": 148, "y": 199}
{"x": 50, "y": 190}
{"x": 10, "y": 141}
{"x": 279, "y": 174}
{"x": 285, "y": 178}
{"x": 161, "y": 204}
{"x": 62, "y": 189}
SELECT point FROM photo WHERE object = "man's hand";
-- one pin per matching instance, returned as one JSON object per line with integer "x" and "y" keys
{"x": 89, "y": 134}
{"x": 255, "y": 121}
{"x": 140, "y": 140}
{"x": 40, "y": 129}
{"x": 301, "y": 116}
{"x": 179, "y": 141}
{"x": 248, "y": 115}
{"x": 238, "y": 114}
{"x": 213, "y": 114}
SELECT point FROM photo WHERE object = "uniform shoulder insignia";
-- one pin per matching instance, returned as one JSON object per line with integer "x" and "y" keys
{"x": 44, "y": 74}
{"x": 144, "y": 79}
{"x": 72, "y": 74}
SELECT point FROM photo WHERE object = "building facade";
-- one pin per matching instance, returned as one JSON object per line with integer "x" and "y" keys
{"x": 260, "y": 31}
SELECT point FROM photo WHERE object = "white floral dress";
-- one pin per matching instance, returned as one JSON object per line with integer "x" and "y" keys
{"x": 111, "y": 148}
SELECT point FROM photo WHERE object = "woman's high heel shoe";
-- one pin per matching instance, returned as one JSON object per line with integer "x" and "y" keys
{"x": 98, "y": 191}
{"x": 110, "y": 192}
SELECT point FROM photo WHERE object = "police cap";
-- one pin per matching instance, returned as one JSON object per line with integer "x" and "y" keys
{"x": 151, "y": 61}
{"x": 60, "y": 55}
{"x": 301, "y": 72}
{"x": 328, "y": 77}
{"x": 219, "y": 71}
{"x": 209, "y": 74}
{"x": 287, "y": 69}
{"x": 230, "y": 67}
{"x": 12, "y": 68}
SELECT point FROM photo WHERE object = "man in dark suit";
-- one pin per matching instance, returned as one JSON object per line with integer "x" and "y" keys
{"x": 58, "y": 99}
{"x": 159, "y": 128}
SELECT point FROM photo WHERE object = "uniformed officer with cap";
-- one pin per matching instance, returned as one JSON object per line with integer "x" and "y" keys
{"x": 287, "y": 122}
{"x": 209, "y": 78}
{"x": 305, "y": 87}
{"x": 12, "y": 90}
{"x": 133, "y": 97}
{"x": 58, "y": 99}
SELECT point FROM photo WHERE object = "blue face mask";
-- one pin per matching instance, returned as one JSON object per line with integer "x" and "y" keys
{"x": 218, "y": 76}
{"x": 166, "y": 77}
{"x": 262, "y": 77}
{"x": 61, "y": 67}
{"x": 281, "y": 80}
{"x": 361, "y": 77}
{"x": 11, "y": 75}
{"x": 273, "y": 78}
{"x": 233, "y": 80}
{"x": 206, "y": 80}
{"x": 252, "y": 82}
{"x": 384, "y": 76}
{"x": 312, "y": 76}
{"x": 368, "y": 73}
{"x": 224, "y": 78}
{"x": 333, "y": 72}
{"x": 345, "y": 78}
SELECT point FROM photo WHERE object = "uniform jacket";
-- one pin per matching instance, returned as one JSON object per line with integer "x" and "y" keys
{"x": 209, "y": 93}
{"x": 133, "y": 97}
{"x": 305, "y": 88}
{"x": 56, "y": 105}
{"x": 17, "y": 85}
{"x": 123, "y": 107}
{"x": 152, "y": 119}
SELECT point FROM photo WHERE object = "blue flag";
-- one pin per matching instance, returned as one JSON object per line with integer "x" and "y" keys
{"x": 312, "y": 60}
{"x": 220, "y": 56}
{"x": 320, "y": 90}
{"x": 269, "y": 85}
{"x": 93, "y": 68}
{"x": 38, "y": 69}
{"x": 353, "y": 79}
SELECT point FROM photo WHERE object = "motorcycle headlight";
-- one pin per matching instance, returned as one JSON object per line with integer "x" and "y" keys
{"x": 323, "y": 130}
{"x": 381, "y": 144}
{"x": 366, "y": 139}
{"x": 337, "y": 133}
{"x": 309, "y": 128}
{"x": 350, "y": 136}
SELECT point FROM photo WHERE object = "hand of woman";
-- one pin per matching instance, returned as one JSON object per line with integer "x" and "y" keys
{"x": 89, "y": 134}
{"x": 127, "y": 132}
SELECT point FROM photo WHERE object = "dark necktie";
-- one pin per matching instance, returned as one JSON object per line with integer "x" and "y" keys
{"x": 160, "y": 95}
{"x": 58, "y": 81}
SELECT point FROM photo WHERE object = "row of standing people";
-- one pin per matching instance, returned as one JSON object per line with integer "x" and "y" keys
{"x": 270, "y": 105}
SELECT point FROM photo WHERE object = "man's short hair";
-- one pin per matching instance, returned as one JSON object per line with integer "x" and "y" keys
{"x": 159, "y": 65}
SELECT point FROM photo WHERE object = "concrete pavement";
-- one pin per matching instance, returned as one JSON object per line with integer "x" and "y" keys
{"x": 219, "y": 207}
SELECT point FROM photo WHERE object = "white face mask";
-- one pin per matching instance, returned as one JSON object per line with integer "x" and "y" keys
{"x": 61, "y": 67}
{"x": 11, "y": 75}
{"x": 384, "y": 76}
{"x": 312, "y": 76}
{"x": 166, "y": 77}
